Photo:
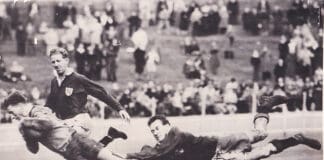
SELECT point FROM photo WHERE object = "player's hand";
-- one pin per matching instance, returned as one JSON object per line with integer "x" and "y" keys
{"x": 124, "y": 115}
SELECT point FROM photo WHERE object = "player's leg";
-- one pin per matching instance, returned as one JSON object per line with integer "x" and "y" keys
{"x": 267, "y": 103}
{"x": 81, "y": 123}
{"x": 277, "y": 146}
{"x": 243, "y": 141}
{"x": 261, "y": 119}
{"x": 113, "y": 133}
{"x": 254, "y": 154}
{"x": 259, "y": 132}
{"x": 295, "y": 140}
{"x": 82, "y": 146}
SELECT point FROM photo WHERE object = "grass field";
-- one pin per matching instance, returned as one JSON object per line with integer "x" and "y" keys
{"x": 12, "y": 147}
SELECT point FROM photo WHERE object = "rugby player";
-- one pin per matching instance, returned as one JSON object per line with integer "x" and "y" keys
{"x": 69, "y": 91}
{"x": 173, "y": 144}
{"x": 40, "y": 125}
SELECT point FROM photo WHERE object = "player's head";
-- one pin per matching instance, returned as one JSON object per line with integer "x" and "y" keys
{"x": 159, "y": 127}
{"x": 59, "y": 59}
{"x": 15, "y": 103}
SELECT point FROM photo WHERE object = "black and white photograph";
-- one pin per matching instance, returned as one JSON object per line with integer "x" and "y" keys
{"x": 161, "y": 79}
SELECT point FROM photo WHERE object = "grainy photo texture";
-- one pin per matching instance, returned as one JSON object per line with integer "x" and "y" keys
{"x": 161, "y": 79}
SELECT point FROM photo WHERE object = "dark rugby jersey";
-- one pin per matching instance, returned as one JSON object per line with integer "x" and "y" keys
{"x": 69, "y": 99}
{"x": 184, "y": 146}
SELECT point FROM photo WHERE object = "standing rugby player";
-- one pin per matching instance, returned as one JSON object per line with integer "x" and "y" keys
{"x": 69, "y": 91}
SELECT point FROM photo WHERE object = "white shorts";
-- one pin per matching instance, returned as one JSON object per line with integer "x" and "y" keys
{"x": 81, "y": 123}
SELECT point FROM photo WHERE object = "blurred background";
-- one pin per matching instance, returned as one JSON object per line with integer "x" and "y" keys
{"x": 186, "y": 59}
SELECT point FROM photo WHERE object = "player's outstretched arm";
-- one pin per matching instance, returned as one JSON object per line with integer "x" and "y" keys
{"x": 99, "y": 92}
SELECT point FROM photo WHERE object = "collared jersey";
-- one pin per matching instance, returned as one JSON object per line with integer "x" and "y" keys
{"x": 184, "y": 146}
{"x": 69, "y": 99}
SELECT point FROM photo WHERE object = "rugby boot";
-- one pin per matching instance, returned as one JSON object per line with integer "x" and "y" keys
{"x": 114, "y": 133}
{"x": 267, "y": 103}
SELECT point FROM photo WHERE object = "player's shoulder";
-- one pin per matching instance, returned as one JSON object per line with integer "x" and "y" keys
{"x": 79, "y": 77}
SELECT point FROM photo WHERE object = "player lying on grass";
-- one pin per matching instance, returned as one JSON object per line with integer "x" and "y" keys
{"x": 174, "y": 144}
{"x": 40, "y": 125}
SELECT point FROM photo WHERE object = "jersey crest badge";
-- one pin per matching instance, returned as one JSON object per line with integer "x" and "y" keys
{"x": 68, "y": 91}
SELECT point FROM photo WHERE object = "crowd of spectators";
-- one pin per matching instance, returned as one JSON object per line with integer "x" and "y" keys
{"x": 277, "y": 20}
{"x": 206, "y": 96}
{"x": 200, "y": 96}
{"x": 300, "y": 57}
{"x": 93, "y": 38}
{"x": 198, "y": 19}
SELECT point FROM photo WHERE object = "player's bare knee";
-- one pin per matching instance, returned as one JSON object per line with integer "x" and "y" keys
{"x": 257, "y": 135}
{"x": 266, "y": 150}
{"x": 263, "y": 134}
{"x": 105, "y": 154}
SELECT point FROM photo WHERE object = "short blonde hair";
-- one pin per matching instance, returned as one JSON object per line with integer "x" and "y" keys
{"x": 61, "y": 51}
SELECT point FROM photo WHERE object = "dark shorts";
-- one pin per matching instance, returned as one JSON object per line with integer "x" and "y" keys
{"x": 82, "y": 148}
{"x": 237, "y": 142}
{"x": 139, "y": 56}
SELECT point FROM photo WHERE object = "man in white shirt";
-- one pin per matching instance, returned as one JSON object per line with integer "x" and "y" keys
{"x": 140, "y": 41}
